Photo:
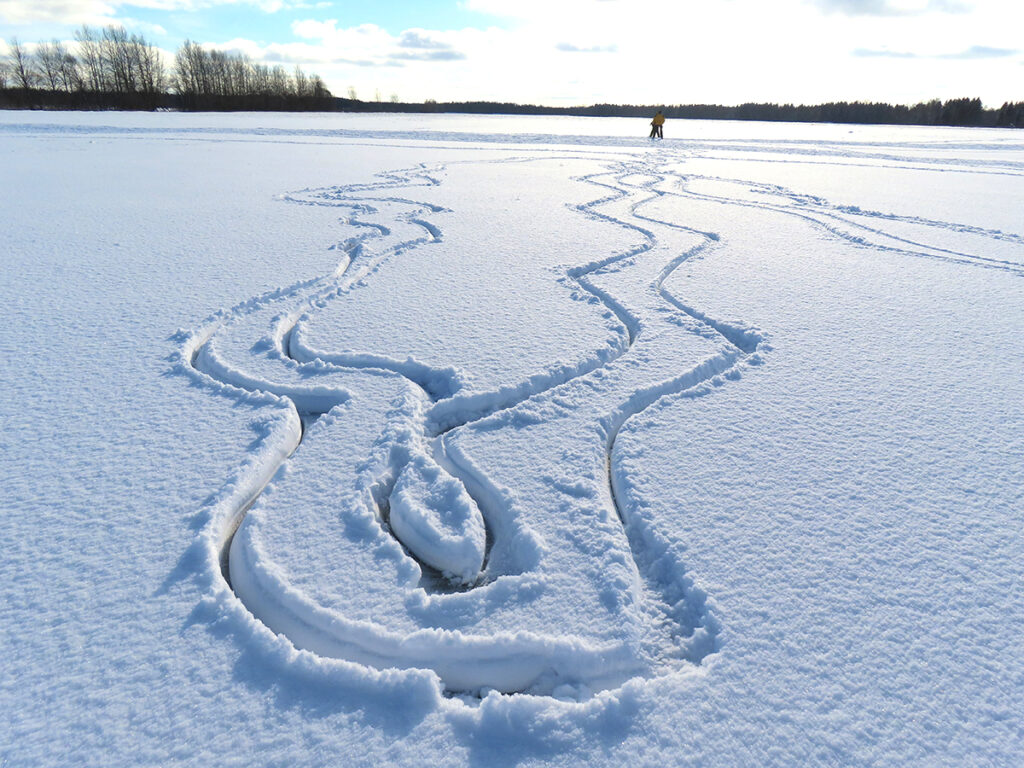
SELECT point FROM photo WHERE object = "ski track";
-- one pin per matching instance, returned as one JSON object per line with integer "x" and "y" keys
{"x": 297, "y": 386}
{"x": 833, "y": 219}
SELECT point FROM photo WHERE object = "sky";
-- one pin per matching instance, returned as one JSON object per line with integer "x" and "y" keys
{"x": 567, "y": 52}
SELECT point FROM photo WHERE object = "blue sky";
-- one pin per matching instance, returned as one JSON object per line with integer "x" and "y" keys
{"x": 245, "y": 20}
{"x": 587, "y": 51}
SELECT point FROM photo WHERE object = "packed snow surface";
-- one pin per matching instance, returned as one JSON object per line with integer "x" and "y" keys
{"x": 433, "y": 440}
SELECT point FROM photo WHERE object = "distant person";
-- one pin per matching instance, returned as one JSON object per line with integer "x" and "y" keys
{"x": 656, "y": 123}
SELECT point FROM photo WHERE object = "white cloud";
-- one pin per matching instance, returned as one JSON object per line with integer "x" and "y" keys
{"x": 570, "y": 48}
{"x": 98, "y": 12}
{"x": 370, "y": 45}
{"x": 981, "y": 52}
{"x": 56, "y": 11}
{"x": 366, "y": 37}
{"x": 143, "y": 27}
{"x": 417, "y": 38}
{"x": 724, "y": 51}
{"x": 974, "y": 52}
{"x": 890, "y": 7}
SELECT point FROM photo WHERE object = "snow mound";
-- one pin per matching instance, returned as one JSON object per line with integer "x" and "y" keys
{"x": 434, "y": 517}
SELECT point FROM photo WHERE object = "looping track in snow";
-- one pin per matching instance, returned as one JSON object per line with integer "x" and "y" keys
{"x": 473, "y": 508}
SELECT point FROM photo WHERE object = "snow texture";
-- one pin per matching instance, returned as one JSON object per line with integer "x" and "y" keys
{"x": 518, "y": 441}
{"x": 433, "y": 515}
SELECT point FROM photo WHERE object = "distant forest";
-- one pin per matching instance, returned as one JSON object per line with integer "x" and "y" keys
{"x": 963, "y": 112}
{"x": 111, "y": 69}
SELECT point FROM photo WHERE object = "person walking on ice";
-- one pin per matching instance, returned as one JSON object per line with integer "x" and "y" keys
{"x": 656, "y": 123}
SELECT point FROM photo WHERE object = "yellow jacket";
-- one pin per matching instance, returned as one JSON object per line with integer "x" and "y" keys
{"x": 659, "y": 119}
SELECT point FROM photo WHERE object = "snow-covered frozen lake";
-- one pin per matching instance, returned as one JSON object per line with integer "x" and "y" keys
{"x": 501, "y": 441}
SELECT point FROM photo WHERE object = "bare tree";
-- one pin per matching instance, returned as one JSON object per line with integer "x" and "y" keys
{"x": 280, "y": 82}
{"x": 217, "y": 62}
{"x": 151, "y": 76}
{"x": 48, "y": 59}
{"x": 204, "y": 77}
{"x": 24, "y": 75}
{"x": 302, "y": 87}
{"x": 56, "y": 67}
{"x": 261, "y": 79}
{"x": 70, "y": 73}
{"x": 92, "y": 74}
{"x": 352, "y": 93}
{"x": 320, "y": 90}
{"x": 111, "y": 67}
{"x": 111, "y": 61}
{"x": 117, "y": 57}
{"x": 190, "y": 76}
{"x": 242, "y": 74}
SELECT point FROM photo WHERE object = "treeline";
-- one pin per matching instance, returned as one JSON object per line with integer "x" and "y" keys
{"x": 1011, "y": 115}
{"x": 111, "y": 69}
{"x": 210, "y": 79}
{"x": 960, "y": 112}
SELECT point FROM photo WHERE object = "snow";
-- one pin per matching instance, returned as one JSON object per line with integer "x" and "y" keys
{"x": 432, "y": 514}
{"x": 509, "y": 441}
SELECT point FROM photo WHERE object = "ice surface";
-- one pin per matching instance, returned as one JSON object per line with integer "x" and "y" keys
{"x": 509, "y": 441}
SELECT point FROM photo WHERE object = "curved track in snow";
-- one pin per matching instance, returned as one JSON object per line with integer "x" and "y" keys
{"x": 422, "y": 434}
